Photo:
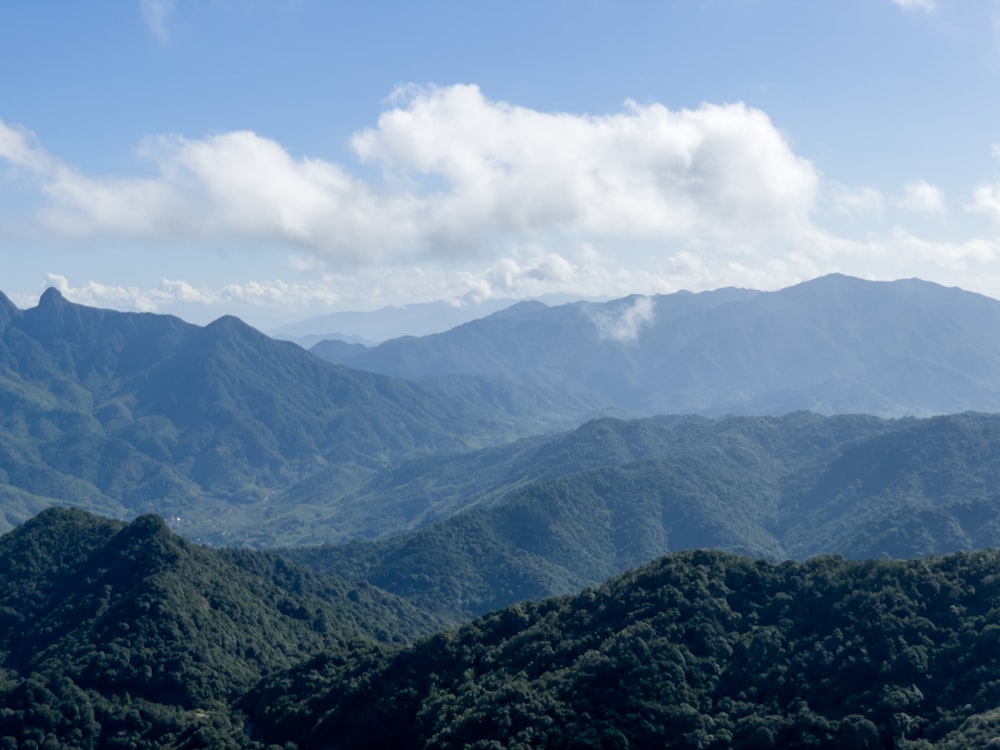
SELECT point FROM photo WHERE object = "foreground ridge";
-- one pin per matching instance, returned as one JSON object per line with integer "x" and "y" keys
{"x": 697, "y": 650}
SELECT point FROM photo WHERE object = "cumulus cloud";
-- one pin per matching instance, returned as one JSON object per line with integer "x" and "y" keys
{"x": 156, "y": 13}
{"x": 96, "y": 294}
{"x": 922, "y": 197}
{"x": 972, "y": 253}
{"x": 624, "y": 321}
{"x": 645, "y": 172}
{"x": 21, "y": 149}
{"x": 985, "y": 198}
{"x": 458, "y": 176}
{"x": 986, "y": 201}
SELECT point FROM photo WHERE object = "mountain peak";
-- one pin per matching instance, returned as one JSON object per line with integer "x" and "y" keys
{"x": 52, "y": 297}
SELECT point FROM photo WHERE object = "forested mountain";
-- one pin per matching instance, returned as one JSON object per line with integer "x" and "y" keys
{"x": 108, "y": 629}
{"x": 120, "y": 635}
{"x": 832, "y": 345}
{"x": 551, "y": 516}
{"x": 454, "y": 502}
{"x": 697, "y": 650}
{"x": 129, "y": 413}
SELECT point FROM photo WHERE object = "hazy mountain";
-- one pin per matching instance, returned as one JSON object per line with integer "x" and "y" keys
{"x": 547, "y": 517}
{"x": 832, "y": 345}
{"x": 128, "y": 413}
{"x": 389, "y": 322}
{"x": 697, "y": 650}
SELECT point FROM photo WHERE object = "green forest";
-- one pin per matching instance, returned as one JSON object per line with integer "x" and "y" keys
{"x": 125, "y": 635}
{"x": 218, "y": 540}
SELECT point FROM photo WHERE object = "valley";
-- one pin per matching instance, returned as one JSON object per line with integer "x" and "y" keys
{"x": 216, "y": 539}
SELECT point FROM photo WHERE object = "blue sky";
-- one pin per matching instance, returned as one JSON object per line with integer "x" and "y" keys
{"x": 278, "y": 159}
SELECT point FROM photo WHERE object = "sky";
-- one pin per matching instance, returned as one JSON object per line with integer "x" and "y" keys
{"x": 280, "y": 159}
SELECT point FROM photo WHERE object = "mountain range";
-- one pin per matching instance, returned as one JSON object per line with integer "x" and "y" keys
{"x": 118, "y": 635}
{"x": 545, "y": 517}
{"x": 406, "y": 504}
{"x": 125, "y": 413}
{"x": 832, "y": 345}
{"x": 238, "y": 439}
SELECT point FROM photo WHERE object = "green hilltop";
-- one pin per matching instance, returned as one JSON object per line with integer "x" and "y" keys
{"x": 109, "y": 628}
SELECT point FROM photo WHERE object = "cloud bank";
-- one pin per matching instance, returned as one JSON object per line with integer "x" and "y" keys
{"x": 452, "y": 195}
{"x": 450, "y": 174}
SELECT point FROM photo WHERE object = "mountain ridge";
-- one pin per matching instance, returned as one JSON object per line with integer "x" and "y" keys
{"x": 127, "y": 413}
{"x": 835, "y": 344}
{"x": 548, "y": 517}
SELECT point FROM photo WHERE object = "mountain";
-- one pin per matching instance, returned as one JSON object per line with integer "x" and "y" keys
{"x": 111, "y": 629}
{"x": 550, "y": 516}
{"x": 696, "y": 650}
{"x": 832, "y": 345}
{"x": 120, "y": 635}
{"x": 388, "y": 322}
{"x": 125, "y": 413}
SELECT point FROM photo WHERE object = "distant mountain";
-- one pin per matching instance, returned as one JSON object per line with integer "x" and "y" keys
{"x": 125, "y": 413}
{"x": 544, "y": 517}
{"x": 832, "y": 345}
{"x": 697, "y": 650}
{"x": 388, "y": 322}
{"x": 113, "y": 633}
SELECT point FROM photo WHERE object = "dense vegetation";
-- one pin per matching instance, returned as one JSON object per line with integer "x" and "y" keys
{"x": 127, "y": 636}
{"x": 550, "y": 517}
{"x": 697, "y": 650}
{"x": 115, "y": 635}
{"x": 241, "y": 440}
{"x": 124, "y": 414}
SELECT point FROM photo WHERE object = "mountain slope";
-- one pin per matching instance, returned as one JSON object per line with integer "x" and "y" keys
{"x": 553, "y": 516}
{"x": 697, "y": 650}
{"x": 125, "y": 413}
{"x": 832, "y": 345}
{"x": 113, "y": 615}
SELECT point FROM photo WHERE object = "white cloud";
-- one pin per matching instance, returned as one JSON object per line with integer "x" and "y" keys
{"x": 156, "y": 13}
{"x": 462, "y": 176}
{"x": 648, "y": 172}
{"x": 986, "y": 198}
{"x": 586, "y": 271}
{"x": 20, "y": 149}
{"x": 927, "y": 6}
{"x": 922, "y": 197}
{"x": 167, "y": 293}
{"x": 624, "y": 321}
{"x": 955, "y": 256}
{"x": 986, "y": 201}
{"x": 463, "y": 197}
